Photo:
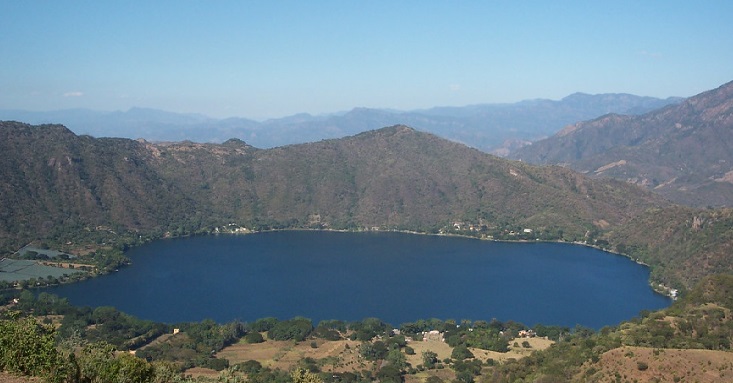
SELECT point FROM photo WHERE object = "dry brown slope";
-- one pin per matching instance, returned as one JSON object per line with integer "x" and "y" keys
{"x": 639, "y": 364}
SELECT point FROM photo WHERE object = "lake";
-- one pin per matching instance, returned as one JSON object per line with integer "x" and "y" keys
{"x": 396, "y": 277}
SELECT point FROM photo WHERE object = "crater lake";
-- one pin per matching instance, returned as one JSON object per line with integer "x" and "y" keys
{"x": 396, "y": 277}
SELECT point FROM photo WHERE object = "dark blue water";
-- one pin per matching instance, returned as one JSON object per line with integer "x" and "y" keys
{"x": 392, "y": 276}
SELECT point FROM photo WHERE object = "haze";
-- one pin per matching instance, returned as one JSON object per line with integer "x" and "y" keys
{"x": 270, "y": 59}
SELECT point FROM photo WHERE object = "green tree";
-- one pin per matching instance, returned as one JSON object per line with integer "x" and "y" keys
{"x": 461, "y": 352}
{"x": 373, "y": 351}
{"x": 296, "y": 329}
{"x": 396, "y": 358}
{"x": 29, "y": 348}
{"x": 132, "y": 369}
{"x": 390, "y": 374}
{"x": 253, "y": 337}
{"x": 429, "y": 359}
{"x": 264, "y": 324}
{"x": 96, "y": 363}
{"x": 300, "y": 375}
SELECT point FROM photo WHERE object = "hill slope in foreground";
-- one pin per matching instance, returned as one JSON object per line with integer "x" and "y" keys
{"x": 69, "y": 191}
{"x": 688, "y": 342}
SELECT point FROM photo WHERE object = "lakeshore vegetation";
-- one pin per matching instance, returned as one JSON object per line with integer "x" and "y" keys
{"x": 94, "y": 198}
{"x": 46, "y": 337}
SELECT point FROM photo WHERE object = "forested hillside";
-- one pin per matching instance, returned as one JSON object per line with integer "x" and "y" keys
{"x": 391, "y": 178}
{"x": 70, "y": 190}
{"x": 56, "y": 183}
{"x": 77, "y": 192}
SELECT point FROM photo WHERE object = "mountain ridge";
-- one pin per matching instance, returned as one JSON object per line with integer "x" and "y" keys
{"x": 382, "y": 178}
{"x": 495, "y": 128}
{"x": 70, "y": 190}
{"x": 683, "y": 151}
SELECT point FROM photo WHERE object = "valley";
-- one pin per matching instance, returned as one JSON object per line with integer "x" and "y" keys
{"x": 95, "y": 198}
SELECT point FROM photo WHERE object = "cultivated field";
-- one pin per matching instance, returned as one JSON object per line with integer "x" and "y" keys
{"x": 13, "y": 270}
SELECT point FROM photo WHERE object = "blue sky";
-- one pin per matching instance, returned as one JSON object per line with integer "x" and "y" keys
{"x": 265, "y": 59}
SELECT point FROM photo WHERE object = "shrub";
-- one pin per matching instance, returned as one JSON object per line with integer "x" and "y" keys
{"x": 28, "y": 348}
{"x": 295, "y": 329}
{"x": 254, "y": 337}
{"x": 461, "y": 352}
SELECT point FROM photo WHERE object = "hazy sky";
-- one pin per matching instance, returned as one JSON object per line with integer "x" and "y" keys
{"x": 263, "y": 59}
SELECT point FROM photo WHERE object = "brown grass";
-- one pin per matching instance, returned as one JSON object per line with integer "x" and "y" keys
{"x": 202, "y": 372}
{"x": 337, "y": 356}
{"x": 664, "y": 365}
{"x": 9, "y": 378}
{"x": 438, "y": 347}
{"x": 343, "y": 355}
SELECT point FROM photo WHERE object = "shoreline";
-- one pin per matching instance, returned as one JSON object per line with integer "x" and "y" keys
{"x": 659, "y": 288}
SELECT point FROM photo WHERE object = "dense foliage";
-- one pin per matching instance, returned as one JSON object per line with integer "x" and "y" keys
{"x": 702, "y": 319}
{"x": 28, "y": 348}
{"x": 90, "y": 197}
{"x": 96, "y": 197}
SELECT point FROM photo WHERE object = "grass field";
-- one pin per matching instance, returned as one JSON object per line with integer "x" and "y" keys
{"x": 335, "y": 356}
{"x": 343, "y": 355}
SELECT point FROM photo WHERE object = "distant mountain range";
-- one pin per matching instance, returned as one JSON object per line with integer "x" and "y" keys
{"x": 682, "y": 151}
{"x": 494, "y": 128}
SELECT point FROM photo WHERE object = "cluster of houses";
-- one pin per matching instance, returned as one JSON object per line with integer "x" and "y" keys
{"x": 526, "y": 334}
{"x": 481, "y": 226}
{"x": 434, "y": 336}
{"x": 460, "y": 226}
{"x": 232, "y": 228}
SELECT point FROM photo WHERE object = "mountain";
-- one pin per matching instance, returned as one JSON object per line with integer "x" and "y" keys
{"x": 55, "y": 181}
{"x": 77, "y": 191}
{"x": 394, "y": 177}
{"x": 683, "y": 151}
{"x": 380, "y": 178}
{"x": 496, "y": 128}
